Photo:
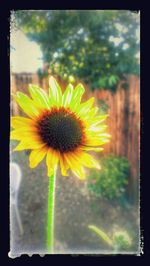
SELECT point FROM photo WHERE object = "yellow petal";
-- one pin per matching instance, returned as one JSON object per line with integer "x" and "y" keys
{"x": 76, "y": 96}
{"x": 36, "y": 156}
{"x": 63, "y": 165}
{"x": 86, "y": 160}
{"x": 97, "y": 136}
{"x": 18, "y": 121}
{"x": 97, "y": 129}
{"x": 99, "y": 119}
{"x": 22, "y": 132}
{"x": 102, "y": 135}
{"x": 85, "y": 107}
{"x": 26, "y": 104}
{"x": 74, "y": 165}
{"x": 89, "y": 115}
{"x": 27, "y": 144}
{"x": 96, "y": 142}
{"x": 51, "y": 161}
{"x": 55, "y": 93}
{"x": 39, "y": 96}
{"x": 67, "y": 96}
{"x": 79, "y": 172}
{"x": 88, "y": 148}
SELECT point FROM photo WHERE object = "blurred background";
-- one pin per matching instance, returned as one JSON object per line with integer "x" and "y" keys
{"x": 101, "y": 49}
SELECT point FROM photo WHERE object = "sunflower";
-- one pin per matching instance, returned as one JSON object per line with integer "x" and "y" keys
{"x": 59, "y": 127}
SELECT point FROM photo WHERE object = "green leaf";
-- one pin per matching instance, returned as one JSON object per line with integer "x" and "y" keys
{"x": 101, "y": 234}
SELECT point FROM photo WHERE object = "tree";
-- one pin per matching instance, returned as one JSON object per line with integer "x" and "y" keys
{"x": 99, "y": 47}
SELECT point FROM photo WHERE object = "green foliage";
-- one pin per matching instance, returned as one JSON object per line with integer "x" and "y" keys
{"x": 103, "y": 106}
{"x": 121, "y": 240}
{"x": 110, "y": 182}
{"x": 97, "y": 46}
{"x": 42, "y": 73}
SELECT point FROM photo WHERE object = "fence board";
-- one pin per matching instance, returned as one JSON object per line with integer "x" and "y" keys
{"x": 124, "y": 126}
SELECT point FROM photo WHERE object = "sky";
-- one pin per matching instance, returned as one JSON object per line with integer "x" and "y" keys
{"x": 25, "y": 55}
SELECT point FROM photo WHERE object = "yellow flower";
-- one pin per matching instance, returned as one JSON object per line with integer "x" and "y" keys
{"x": 60, "y": 128}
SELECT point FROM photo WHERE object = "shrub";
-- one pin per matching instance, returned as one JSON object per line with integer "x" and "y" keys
{"x": 121, "y": 240}
{"x": 110, "y": 182}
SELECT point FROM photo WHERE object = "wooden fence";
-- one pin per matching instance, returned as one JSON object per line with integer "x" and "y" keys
{"x": 124, "y": 126}
{"x": 123, "y": 121}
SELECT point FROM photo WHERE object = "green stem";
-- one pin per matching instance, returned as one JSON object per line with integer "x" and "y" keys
{"x": 50, "y": 213}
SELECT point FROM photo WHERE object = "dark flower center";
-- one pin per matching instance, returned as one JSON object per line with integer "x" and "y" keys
{"x": 61, "y": 130}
